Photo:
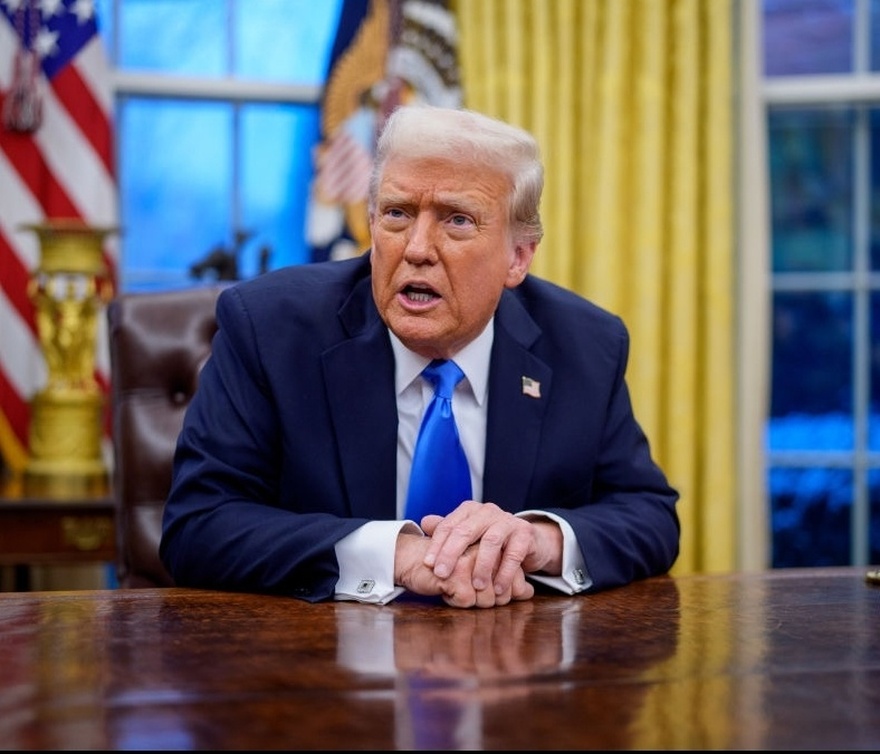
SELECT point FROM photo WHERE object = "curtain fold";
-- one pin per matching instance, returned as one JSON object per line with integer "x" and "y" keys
{"x": 631, "y": 102}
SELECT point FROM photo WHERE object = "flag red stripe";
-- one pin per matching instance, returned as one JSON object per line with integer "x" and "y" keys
{"x": 14, "y": 281}
{"x": 84, "y": 109}
{"x": 24, "y": 155}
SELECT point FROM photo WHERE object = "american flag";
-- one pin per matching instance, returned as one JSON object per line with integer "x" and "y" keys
{"x": 531, "y": 387}
{"x": 56, "y": 162}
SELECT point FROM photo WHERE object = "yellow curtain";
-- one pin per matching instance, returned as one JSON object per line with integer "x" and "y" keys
{"x": 631, "y": 101}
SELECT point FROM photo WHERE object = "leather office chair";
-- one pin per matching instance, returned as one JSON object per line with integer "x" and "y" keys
{"x": 158, "y": 344}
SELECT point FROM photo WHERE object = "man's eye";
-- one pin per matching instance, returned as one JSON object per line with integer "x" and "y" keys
{"x": 394, "y": 215}
{"x": 460, "y": 220}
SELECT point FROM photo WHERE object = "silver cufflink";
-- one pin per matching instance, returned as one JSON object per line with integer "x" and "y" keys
{"x": 366, "y": 586}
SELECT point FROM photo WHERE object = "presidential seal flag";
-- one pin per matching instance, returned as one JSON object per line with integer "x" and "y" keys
{"x": 56, "y": 163}
{"x": 386, "y": 53}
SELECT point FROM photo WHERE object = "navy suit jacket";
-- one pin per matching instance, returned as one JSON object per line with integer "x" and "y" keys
{"x": 290, "y": 442}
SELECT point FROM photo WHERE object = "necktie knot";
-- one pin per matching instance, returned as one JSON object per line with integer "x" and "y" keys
{"x": 444, "y": 376}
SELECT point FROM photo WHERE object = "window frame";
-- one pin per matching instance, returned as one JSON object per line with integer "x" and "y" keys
{"x": 860, "y": 90}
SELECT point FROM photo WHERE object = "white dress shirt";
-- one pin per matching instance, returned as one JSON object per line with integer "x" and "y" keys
{"x": 366, "y": 556}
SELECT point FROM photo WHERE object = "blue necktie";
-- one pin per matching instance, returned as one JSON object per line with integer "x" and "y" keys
{"x": 440, "y": 478}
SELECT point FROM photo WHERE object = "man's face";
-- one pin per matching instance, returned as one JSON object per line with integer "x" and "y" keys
{"x": 442, "y": 251}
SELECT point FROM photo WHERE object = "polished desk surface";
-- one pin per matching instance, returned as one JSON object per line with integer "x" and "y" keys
{"x": 789, "y": 659}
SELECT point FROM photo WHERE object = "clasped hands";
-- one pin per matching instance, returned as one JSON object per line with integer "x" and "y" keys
{"x": 477, "y": 556}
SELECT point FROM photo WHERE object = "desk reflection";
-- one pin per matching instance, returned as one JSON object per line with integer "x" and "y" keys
{"x": 457, "y": 672}
{"x": 774, "y": 661}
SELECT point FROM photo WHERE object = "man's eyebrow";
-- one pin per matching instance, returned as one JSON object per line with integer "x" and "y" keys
{"x": 454, "y": 199}
{"x": 386, "y": 200}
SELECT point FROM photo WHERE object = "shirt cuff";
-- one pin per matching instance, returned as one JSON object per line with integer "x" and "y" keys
{"x": 574, "y": 577}
{"x": 366, "y": 562}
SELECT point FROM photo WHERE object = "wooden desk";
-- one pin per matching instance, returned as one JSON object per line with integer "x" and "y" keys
{"x": 783, "y": 660}
{"x": 46, "y": 531}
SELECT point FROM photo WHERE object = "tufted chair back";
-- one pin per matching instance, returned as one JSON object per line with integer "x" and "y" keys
{"x": 158, "y": 344}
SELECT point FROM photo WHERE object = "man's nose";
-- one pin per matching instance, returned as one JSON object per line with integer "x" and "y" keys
{"x": 420, "y": 244}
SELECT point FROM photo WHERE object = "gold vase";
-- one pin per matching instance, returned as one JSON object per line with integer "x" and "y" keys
{"x": 69, "y": 289}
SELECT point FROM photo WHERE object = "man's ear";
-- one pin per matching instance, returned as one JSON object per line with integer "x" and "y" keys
{"x": 523, "y": 253}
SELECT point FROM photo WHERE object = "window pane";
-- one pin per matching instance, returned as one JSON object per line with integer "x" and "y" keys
{"x": 807, "y": 37}
{"x": 284, "y": 40}
{"x": 275, "y": 174}
{"x": 176, "y": 188}
{"x": 811, "y": 168}
{"x": 811, "y": 398}
{"x": 875, "y": 35}
{"x": 874, "y": 359}
{"x": 874, "y": 523}
{"x": 106, "y": 27}
{"x": 186, "y": 37}
{"x": 874, "y": 195}
{"x": 274, "y": 40}
{"x": 810, "y": 509}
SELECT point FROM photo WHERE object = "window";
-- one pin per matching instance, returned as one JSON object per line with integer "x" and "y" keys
{"x": 823, "y": 433}
{"x": 217, "y": 114}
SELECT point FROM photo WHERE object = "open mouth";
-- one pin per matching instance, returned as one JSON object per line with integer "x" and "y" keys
{"x": 419, "y": 295}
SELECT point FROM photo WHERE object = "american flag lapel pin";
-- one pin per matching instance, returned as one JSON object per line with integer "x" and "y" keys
{"x": 531, "y": 387}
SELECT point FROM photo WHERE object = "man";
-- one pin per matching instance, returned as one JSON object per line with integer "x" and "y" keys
{"x": 293, "y": 466}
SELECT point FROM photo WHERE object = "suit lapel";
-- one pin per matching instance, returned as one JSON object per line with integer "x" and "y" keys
{"x": 359, "y": 373}
{"x": 515, "y": 415}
